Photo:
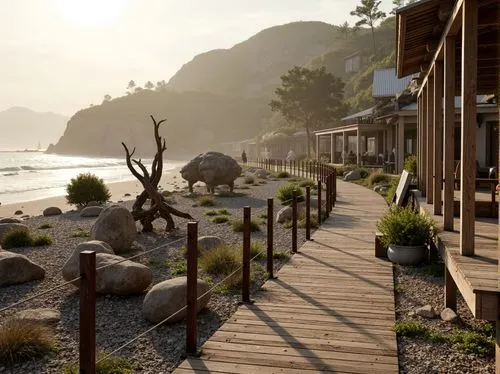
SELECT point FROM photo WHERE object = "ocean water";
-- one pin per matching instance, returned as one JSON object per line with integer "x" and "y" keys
{"x": 26, "y": 176}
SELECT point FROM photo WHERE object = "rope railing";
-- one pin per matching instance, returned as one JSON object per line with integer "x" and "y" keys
{"x": 325, "y": 174}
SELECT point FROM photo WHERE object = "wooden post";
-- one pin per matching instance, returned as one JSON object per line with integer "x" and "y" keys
{"x": 334, "y": 186}
{"x": 192, "y": 287}
{"x": 294, "y": 223}
{"x": 419, "y": 142}
{"x": 438, "y": 137}
{"x": 430, "y": 139}
{"x": 400, "y": 150}
{"x": 87, "y": 312}
{"x": 449, "y": 132}
{"x": 308, "y": 213}
{"x": 319, "y": 202}
{"x": 425, "y": 144}
{"x": 246, "y": 254}
{"x": 450, "y": 291}
{"x": 270, "y": 244}
{"x": 327, "y": 195}
{"x": 468, "y": 159}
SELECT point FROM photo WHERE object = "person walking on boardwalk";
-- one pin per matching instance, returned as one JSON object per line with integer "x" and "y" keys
{"x": 244, "y": 157}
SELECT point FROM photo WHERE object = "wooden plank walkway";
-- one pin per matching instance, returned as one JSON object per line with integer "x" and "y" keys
{"x": 331, "y": 309}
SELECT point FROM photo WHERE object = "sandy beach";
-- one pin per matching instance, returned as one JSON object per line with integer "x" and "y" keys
{"x": 170, "y": 180}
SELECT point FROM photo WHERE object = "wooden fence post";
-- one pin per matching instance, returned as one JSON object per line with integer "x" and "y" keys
{"x": 87, "y": 312}
{"x": 270, "y": 221}
{"x": 334, "y": 192}
{"x": 319, "y": 202}
{"x": 308, "y": 213}
{"x": 192, "y": 288}
{"x": 246, "y": 254}
{"x": 294, "y": 223}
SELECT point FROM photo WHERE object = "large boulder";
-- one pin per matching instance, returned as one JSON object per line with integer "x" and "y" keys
{"x": 16, "y": 268}
{"x": 285, "y": 213}
{"x": 91, "y": 211}
{"x": 210, "y": 242}
{"x": 353, "y": 175}
{"x": 120, "y": 277}
{"x": 52, "y": 211}
{"x": 115, "y": 226}
{"x": 71, "y": 268}
{"x": 167, "y": 297}
{"x": 6, "y": 227}
{"x": 212, "y": 168}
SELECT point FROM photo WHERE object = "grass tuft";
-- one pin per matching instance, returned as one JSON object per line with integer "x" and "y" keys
{"x": 177, "y": 266}
{"x": 411, "y": 328}
{"x": 16, "y": 238}
{"x": 206, "y": 201}
{"x": 220, "y": 219}
{"x": 42, "y": 240}
{"x": 110, "y": 365}
{"x": 45, "y": 226}
{"x": 238, "y": 226}
{"x": 220, "y": 261}
{"x": 80, "y": 234}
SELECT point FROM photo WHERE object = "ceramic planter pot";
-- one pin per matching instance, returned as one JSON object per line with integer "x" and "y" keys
{"x": 407, "y": 255}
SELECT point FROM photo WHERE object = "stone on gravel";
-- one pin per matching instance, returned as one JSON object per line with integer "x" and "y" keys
{"x": 16, "y": 268}
{"x": 353, "y": 175}
{"x": 284, "y": 214}
{"x": 71, "y": 268}
{"x": 52, "y": 211}
{"x": 448, "y": 315}
{"x": 210, "y": 242}
{"x": 426, "y": 311}
{"x": 9, "y": 220}
{"x": 115, "y": 226}
{"x": 91, "y": 211}
{"x": 6, "y": 227}
{"x": 167, "y": 297}
{"x": 18, "y": 212}
{"x": 380, "y": 188}
{"x": 262, "y": 174}
{"x": 45, "y": 316}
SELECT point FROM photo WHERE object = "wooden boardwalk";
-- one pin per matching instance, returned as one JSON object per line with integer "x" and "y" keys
{"x": 331, "y": 309}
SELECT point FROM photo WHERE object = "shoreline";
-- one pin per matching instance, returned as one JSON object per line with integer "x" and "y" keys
{"x": 169, "y": 181}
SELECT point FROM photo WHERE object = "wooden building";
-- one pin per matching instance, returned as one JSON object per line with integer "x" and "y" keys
{"x": 454, "y": 45}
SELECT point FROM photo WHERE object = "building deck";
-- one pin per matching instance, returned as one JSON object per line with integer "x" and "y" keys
{"x": 476, "y": 277}
{"x": 331, "y": 308}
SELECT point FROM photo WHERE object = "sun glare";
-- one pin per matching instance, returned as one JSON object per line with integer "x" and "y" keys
{"x": 89, "y": 13}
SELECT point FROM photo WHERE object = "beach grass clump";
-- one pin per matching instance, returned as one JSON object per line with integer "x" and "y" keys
{"x": 286, "y": 192}
{"x": 177, "y": 266}
{"x": 249, "y": 179}
{"x": 313, "y": 222}
{"x": 85, "y": 188}
{"x": 22, "y": 340}
{"x": 283, "y": 174}
{"x": 42, "y": 240}
{"x": 80, "y": 234}
{"x": 211, "y": 212}
{"x": 17, "y": 238}
{"x": 377, "y": 178}
{"x": 217, "y": 212}
{"x": 206, "y": 201}
{"x": 257, "y": 250}
{"x": 221, "y": 260}
{"x": 409, "y": 328}
{"x": 45, "y": 226}
{"x": 307, "y": 183}
{"x": 110, "y": 365}
{"x": 220, "y": 219}
{"x": 281, "y": 255}
{"x": 238, "y": 226}
{"x": 474, "y": 342}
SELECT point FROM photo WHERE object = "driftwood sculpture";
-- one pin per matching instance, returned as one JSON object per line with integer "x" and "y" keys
{"x": 158, "y": 208}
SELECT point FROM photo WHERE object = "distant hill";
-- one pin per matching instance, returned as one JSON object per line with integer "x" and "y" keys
{"x": 196, "y": 122}
{"x": 22, "y": 128}
{"x": 254, "y": 67}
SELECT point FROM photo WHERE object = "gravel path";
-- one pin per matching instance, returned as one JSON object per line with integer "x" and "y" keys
{"x": 119, "y": 319}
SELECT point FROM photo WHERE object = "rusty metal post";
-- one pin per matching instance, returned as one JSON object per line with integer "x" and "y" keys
{"x": 319, "y": 202}
{"x": 270, "y": 244}
{"x": 192, "y": 287}
{"x": 246, "y": 254}
{"x": 294, "y": 223}
{"x": 87, "y": 312}
{"x": 308, "y": 213}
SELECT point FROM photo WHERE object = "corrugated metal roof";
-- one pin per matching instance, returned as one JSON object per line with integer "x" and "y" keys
{"x": 480, "y": 100}
{"x": 363, "y": 113}
{"x": 385, "y": 82}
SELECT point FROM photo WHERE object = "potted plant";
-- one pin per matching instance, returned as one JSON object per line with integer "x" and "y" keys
{"x": 406, "y": 234}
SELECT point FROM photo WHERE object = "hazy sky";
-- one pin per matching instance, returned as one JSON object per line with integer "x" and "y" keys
{"x": 62, "y": 55}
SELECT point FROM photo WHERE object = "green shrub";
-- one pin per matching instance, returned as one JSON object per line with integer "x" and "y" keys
{"x": 285, "y": 193}
{"x": 411, "y": 164}
{"x": 405, "y": 226}
{"x": 86, "y": 188}
{"x": 80, "y": 234}
{"x": 177, "y": 266}
{"x": 301, "y": 223}
{"x": 220, "y": 261}
{"x": 249, "y": 179}
{"x": 22, "y": 340}
{"x": 474, "y": 342}
{"x": 308, "y": 183}
{"x": 377, "y": 178}
{"x": 257, "y": 250}
{"x": 110, "y": 365}
{"x": 281, "y": 255}
{"x": 391, "y": 192}
{"x": 206, "y": 201}
{"x": 220, "y": 219}
{"x": 16, "y": 238}
{"x": 238, "y": 226}
{"x": 411, "y": 328}
{"x": 212, "y": 212}
{"x": 44, "y": 226}
{"x": 283, "y": 174}
{"x": 42, "y": 240}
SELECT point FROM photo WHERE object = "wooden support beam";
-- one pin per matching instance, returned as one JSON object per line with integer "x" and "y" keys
{"x": 449, "y": 132}
{"x": 332, "y": 148}
{"x": 430, "y": 139}
{"x": 425, "y": 143}
{"x": 438, "y": 137}
{"x": 419, "y": 143}
{"x": 358, "y": 147}
{"x": 450, "y": 290}
{"x": 345, "y": 146}
{"x": 400, "y": 151}
{"x": 468, "y": 118}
